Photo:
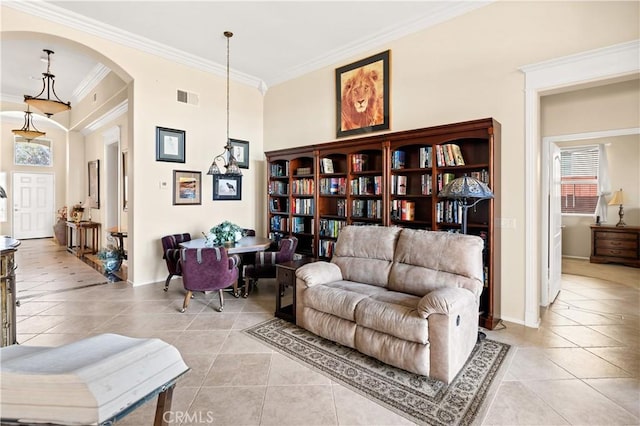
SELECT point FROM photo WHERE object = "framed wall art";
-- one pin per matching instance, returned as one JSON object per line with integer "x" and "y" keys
{"x": 240, "y": 150}
{"x": 170, "y": 145}
{"x": 187, "y": 188}
{"x": 362, "y": 96}
{"x": 94, "y": 182}
{"x": 227, "y": 187}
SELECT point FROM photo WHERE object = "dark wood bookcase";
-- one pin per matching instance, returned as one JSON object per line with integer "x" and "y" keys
{"x": 388, "y": 180}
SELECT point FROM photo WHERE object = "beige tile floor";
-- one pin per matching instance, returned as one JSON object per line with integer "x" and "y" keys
{"x": 581, "y": 367}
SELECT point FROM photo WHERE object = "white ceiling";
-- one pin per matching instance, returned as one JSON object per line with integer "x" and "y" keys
{"x": 272, "y": 43}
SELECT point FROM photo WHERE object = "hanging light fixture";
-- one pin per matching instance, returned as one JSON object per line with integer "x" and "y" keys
{"x": 26, "y": 131}
{"x": 47, "y": 105}
{"x": 227, "y": 158}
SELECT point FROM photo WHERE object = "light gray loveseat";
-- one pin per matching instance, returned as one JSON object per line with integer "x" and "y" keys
{"x": 407, "y": 297}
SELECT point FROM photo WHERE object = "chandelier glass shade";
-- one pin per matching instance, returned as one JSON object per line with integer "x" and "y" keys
{"x": 47, "y": 105}
{"x": 28, "y": 130}
{"x": 228, "y": 160}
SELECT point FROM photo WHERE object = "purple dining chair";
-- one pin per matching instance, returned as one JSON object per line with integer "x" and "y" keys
{"x": 265, "y": 263}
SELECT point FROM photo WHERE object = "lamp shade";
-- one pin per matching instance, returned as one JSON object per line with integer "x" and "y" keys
{"x": 618, "y": 198}
{"x": 90, "y": 203}
{"x": 466, "y": 187}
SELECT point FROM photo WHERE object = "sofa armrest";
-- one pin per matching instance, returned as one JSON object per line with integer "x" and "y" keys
{"x": 316, "y": 273}
{"x": 444, "y": 301}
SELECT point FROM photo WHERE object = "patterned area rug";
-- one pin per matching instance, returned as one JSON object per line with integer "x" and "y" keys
{"x": 418, "y": 398}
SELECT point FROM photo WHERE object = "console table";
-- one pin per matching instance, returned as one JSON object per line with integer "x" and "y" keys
{"x": 615, "y": 244}
{"x": 77, "y": 241}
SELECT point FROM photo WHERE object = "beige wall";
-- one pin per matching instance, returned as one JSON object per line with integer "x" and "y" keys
{"x": 609, "y": 107}
{"x": 465, "y": 69}
{"x": 153, "y": 82}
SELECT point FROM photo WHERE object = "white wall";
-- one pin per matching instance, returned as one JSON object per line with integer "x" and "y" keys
{"x": 465, "y": 69}
{"x": 152, "y": 102}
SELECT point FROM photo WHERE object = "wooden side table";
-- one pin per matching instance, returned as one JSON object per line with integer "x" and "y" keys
{"x": 615, "y": 244}
{"x": 79, "y": 245}
{"x": 286, "y": 279}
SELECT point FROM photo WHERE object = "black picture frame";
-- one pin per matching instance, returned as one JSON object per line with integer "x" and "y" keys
{"x": 371, "y": 73}
{"x": 170, "y": 145}
{"x": 94, "y": 181}
{"x": 240, "y": 150}
{"x": 227, "y": 187}
{"x": 187, "y": 188}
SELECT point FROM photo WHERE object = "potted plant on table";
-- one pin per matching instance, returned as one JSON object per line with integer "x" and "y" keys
{"x": 224, "y": 234}
{"x": 111, "y": 257}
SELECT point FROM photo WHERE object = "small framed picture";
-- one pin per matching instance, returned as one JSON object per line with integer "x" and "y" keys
{"x": 227, "y": 187}
{"x": 170, "y": 145}
{"x": 362, "y": 95}
{"x": 240, "y": 150}
{"x": 187, "y": 188}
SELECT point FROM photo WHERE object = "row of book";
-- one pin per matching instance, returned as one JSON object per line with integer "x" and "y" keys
{"x": 302, "y": 225}
{"x": 333, "y": 186}
{"x": 303, "y": 206}
{"x": 326, "y": 165}
{"x": 400, "y": 185}
{"x": 359, "y": 162}
{"x": 449, "y": 154}
{"x": 403, "y": 210}
{"x": 303, "y": 186}
{"x": 279, "y": 223}
{"x": 326, "y": 247}
{"x": 371, "y": 209}
{"x": 397, "y": 159}
{"x": 366, "y": 185}
{"x": 330, "y": 227}
{"x": 280, "y": 169}
{"x": 278, "y": 187}
{"x": 449, "y": 211}
{"x": 279, "y": 205}
{"x": 304, "y": 171}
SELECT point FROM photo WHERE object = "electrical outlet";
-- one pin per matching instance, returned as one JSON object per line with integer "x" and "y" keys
{"x": 164, "y": 185}
{"x": 507, "y": 223}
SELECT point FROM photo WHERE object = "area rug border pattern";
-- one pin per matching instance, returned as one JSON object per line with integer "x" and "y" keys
{"x": 417, "y": 398}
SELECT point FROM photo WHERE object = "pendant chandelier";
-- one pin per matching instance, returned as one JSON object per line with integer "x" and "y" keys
{"x": 28, "y": 130}
{"x": 229, "y": 161}
{"x": 47, "y": 105}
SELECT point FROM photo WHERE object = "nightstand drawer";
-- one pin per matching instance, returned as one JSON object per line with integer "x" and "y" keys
{"x": 616, "y": 244}
{"x": 604, "y": 235}
{"x": 630, "y": 254}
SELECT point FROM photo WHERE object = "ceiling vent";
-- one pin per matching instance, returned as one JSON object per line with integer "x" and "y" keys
{"x": 187, "y": 97}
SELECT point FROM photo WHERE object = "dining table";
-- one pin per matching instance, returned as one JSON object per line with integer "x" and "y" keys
{"x": 243, "y": 247}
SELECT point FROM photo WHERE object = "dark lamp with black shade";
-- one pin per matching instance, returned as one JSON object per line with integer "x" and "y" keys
{"x": 228, "y": 160}
{"x": 466, "y": 189}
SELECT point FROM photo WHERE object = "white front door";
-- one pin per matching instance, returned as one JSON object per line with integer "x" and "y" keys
{"x": 555, "y": 225}
{"x": 33, "y": 205}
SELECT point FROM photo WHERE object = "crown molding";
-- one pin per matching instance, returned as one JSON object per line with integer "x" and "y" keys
{"x": 50, "y": 12}
{"x": 445, "y": 12}
{"x": 109, "y": 116}
{"x": 94, "y": 77}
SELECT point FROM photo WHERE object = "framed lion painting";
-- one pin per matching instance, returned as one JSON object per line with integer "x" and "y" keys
{"x": 362, "y": 95}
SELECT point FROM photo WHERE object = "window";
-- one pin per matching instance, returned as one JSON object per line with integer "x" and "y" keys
{"x": 579, "y": 182}
{"x": 35, "y": 152}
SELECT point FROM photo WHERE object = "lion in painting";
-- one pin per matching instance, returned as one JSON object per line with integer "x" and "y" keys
{"x": 361, "y": 105}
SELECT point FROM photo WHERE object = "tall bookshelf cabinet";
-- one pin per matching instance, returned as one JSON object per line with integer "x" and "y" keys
{"x": 390, "y": 180}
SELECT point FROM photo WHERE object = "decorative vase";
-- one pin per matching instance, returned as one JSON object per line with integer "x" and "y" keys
{"x": 111, "y": 264}
{"x": 229, "y": 244}
{"x": 60, "y": 232}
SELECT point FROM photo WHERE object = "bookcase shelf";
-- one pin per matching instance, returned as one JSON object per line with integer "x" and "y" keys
{"x": 372, "y": 180}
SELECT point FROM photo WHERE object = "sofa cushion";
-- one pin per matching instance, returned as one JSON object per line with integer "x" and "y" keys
{"x": 365, "y": 253}
{"x": 339, "y": 298}
{"x": 400, "y": 353}
{"x": 394, "y": 314}
{"x": 427, "y": 260}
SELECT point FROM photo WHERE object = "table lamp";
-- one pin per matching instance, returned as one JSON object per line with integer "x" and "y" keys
{"x": 618, "y": 198}
{"x": 89, "y": 204}
{"x": 463, "y": 189}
